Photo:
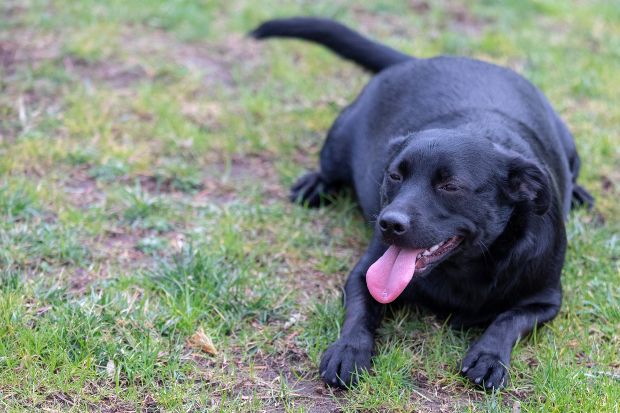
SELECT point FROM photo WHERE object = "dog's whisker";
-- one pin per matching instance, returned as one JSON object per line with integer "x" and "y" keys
{"x": 483, "y": 254}
{"x": 487, "y": 248}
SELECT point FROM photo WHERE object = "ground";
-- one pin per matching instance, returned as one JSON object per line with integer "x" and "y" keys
{"x": 151, "y": 262}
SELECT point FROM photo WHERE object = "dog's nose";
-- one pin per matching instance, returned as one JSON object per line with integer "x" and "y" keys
{"x": 393, "y": 223}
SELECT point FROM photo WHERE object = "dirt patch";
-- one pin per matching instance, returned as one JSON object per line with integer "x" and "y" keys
{"x": 268, "y": 376}
{"x": 214, "y": 59}
{"x": 156, "y": 185}
{"x": 420, "y": 6}
{"x": 247, "y": 167}
{"x": 313, "y": 394}
{"x": 228, "y": 181}
{"x": 220, "y": 182}
{"x": 381, "y": 24}
{"x": 459, "y": 18}
{"x": 31, "y": 47}
{"x": 204, "y": 115}
{"x": 313, "y": 282}
{"x": 27, "y": 106}
{"x": 27, "y": 47}
{"x": 114, "y": 75}
{"x": 609, "y": 183}
{"x": 109, "y": 402}
{"x": 8, "y": 50}
{"x": 11, "y": 9}
{"x": 79, "y": 280}
{"x": 121, "y": 243}
{"x": 82, "y": 190}
{"x": 462, "y": 20}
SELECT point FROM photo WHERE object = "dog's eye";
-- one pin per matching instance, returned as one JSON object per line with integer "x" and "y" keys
{"x": 395, "y": 177}
{"x": 450, "y": 188}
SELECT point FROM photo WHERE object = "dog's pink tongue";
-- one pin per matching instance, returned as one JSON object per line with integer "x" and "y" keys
{"x": 389, "y": 276}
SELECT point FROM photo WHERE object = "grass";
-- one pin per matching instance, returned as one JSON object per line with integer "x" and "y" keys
{"x": 150, "y": 260}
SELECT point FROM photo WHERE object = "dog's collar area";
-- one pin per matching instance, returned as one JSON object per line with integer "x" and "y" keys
{"x": 435, "y": 252}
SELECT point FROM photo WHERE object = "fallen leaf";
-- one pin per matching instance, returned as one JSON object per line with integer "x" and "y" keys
{"x": 200, "y": 339}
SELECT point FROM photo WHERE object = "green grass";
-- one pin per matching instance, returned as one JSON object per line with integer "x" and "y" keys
{"x": 150, "y": 260}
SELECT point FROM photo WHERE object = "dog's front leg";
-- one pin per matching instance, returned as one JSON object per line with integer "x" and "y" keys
{"x": 351, "y": 353}
{"x": 487, "y": 361}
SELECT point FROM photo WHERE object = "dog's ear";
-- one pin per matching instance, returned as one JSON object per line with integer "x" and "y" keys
{"x": 395, "y": 145}
{"x": 526, "y": 182}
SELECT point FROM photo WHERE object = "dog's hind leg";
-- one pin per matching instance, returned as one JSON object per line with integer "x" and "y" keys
{"x": 311, "y": 189}
{"x": 582, "y": 197}
{"x": 335, "y": 172}
{"x": 578, "y": 195}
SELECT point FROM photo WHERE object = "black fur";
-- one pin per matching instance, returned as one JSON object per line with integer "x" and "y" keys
{"x": 342, "y": 40}
{"x": 436, "y": 148}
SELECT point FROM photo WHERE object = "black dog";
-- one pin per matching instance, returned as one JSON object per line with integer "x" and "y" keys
{"x": 469, "y": 174}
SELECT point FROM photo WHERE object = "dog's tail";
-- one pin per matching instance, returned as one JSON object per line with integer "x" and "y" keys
{"x": 339, "y": 38}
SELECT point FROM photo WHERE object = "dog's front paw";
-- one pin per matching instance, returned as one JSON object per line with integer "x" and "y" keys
{"x": 345, "y": 360}
{"x": 486, "y": 367}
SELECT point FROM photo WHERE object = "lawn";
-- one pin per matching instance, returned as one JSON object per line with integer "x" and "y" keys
{"x": 151, "y": 262}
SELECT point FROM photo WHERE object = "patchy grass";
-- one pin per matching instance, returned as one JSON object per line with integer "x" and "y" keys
{"x": 151, "y": 261}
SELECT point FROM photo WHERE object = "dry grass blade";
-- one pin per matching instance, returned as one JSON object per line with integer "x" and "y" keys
{"x": 200, "y": 339}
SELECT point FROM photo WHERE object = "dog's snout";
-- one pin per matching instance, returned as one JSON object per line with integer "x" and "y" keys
{"x": 393, "y": 223}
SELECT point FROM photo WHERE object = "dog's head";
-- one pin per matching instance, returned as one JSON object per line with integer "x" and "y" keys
{"x": 444, "y": 193}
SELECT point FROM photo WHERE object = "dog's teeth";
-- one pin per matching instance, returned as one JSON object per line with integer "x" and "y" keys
{"x": 441, "y": 243}
{"x": 427, "y": 252}
{"x": 434, "y": 248}
{"x": 419, "y": 256}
